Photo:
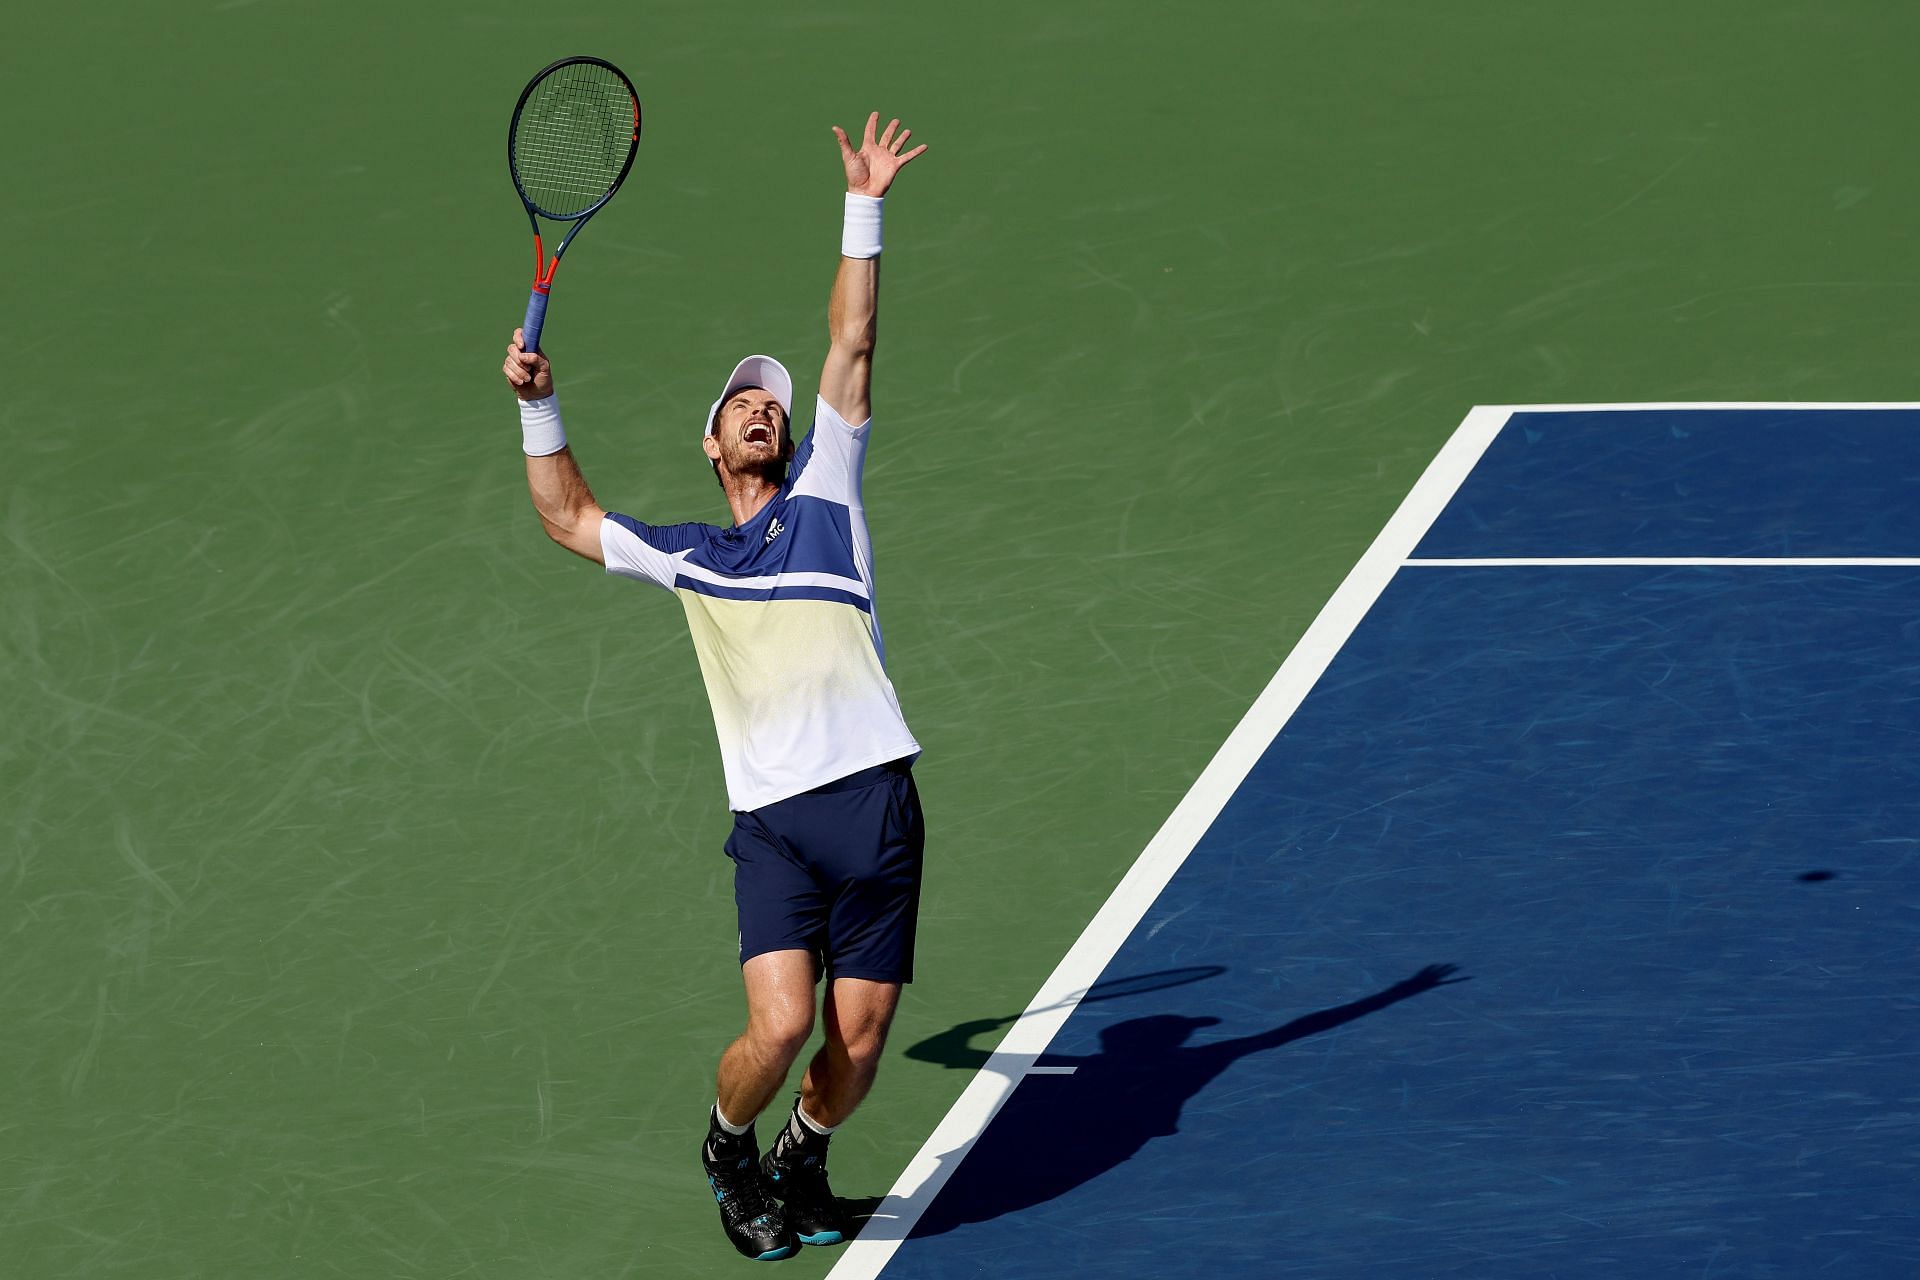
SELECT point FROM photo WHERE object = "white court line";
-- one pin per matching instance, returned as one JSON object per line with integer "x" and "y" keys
{"x": 1657, "y": 562}
{"x": 1706, "y": 404}
{"x": 1081, "y": 967}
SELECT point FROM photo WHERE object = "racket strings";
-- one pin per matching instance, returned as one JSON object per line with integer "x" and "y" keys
{"x": 573, "y": 138}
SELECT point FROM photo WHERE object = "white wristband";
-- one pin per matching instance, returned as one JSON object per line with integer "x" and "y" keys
{"x": 860, "y": 233}
{"x": 540, "y": 427}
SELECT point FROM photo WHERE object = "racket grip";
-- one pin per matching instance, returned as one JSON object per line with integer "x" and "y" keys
{"x": 535, "y": 321}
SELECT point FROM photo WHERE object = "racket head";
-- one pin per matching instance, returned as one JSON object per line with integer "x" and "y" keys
{"x": 573, "y": 137}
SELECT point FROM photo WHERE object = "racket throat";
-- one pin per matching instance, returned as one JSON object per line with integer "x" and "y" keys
{"x": 542, "y": 269}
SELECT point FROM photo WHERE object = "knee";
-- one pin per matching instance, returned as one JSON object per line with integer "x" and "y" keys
{"x": 863, "y": 1043}
{"x": 780, "y": 1034}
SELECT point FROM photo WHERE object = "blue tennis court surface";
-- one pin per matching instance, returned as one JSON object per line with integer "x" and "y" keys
{"x": 1567, "y": 925}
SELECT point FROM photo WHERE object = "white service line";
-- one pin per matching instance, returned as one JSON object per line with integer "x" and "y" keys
{"x": 1081, "y": 967}
{"x": 1689, "y": 405}
{"x": 1763, "y": 562}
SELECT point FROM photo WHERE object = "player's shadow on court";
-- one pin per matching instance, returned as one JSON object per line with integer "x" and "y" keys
{"x": 1059, "y": 1132}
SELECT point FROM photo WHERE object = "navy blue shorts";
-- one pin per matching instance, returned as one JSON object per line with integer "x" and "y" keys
{"x": 834, "y": 871}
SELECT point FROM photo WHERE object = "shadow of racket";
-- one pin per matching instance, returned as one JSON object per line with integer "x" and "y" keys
{"x": 1138, "y": 984}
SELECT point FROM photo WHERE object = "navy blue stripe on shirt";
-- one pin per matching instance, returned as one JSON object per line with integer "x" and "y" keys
{"x": 802, "y": 455}
{"x": 793, "y": 591}
{"x": 816, "y": 536}
{"x": 665, "y": 537}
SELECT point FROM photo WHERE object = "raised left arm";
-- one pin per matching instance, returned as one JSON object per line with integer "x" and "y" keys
{"x": 853, "y": 307}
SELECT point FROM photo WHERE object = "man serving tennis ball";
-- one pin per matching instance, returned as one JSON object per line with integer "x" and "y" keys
{"x": 827, "y": 831}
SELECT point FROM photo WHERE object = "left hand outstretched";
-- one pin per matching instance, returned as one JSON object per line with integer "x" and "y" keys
{"x": 870, "y": 170}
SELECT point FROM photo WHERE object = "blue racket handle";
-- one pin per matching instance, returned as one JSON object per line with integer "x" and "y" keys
{"x": 536, "y": 319}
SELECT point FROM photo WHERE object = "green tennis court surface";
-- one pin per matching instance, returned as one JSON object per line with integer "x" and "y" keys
{"x": 364, "y": 909}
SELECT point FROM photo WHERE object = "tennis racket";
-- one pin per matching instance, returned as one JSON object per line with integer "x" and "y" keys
{"x": 573, "y": 137}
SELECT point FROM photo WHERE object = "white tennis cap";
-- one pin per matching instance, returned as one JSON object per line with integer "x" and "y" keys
{"x": 757, "y": 371}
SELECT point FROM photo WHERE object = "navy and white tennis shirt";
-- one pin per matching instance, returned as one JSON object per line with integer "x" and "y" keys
{"x": 781, "y": 611}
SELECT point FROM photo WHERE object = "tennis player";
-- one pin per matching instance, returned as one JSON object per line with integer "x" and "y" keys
{"x": 827, "y": 830}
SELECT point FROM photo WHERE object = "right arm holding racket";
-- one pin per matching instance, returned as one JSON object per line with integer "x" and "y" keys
{"x": 567, "y": 510}
{"x": 570, "y": 145}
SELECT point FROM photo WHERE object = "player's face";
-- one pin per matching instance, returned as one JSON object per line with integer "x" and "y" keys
{"x": 751, "y": 430}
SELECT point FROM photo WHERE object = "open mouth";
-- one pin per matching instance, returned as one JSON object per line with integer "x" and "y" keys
{"x": 758, "y": 433}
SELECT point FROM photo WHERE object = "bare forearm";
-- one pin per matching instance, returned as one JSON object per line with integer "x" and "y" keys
{"x": 852, "y": 329}
{"x": 852, "y": 309}
{"x": 560, "y": 494}
{"x": 564, "y": 502}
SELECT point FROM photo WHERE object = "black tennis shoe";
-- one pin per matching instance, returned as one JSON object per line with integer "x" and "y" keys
{"x": 754, "y": 1224}
{"x": 799, "y": 1181}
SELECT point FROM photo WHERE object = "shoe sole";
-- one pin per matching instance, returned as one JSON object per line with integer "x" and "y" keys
{"x": 774, "y": 1255}
{"x": 824, "y": 1237}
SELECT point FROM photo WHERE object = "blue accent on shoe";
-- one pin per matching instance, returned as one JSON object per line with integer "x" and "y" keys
{"x": 774, "y": 1255}
{"x": 824, "y": 1237}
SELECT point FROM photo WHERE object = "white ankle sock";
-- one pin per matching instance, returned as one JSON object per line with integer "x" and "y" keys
{"x": 811, "y": 1123}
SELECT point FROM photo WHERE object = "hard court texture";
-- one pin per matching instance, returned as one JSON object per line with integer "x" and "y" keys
{"x": 1566, "y": 927}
